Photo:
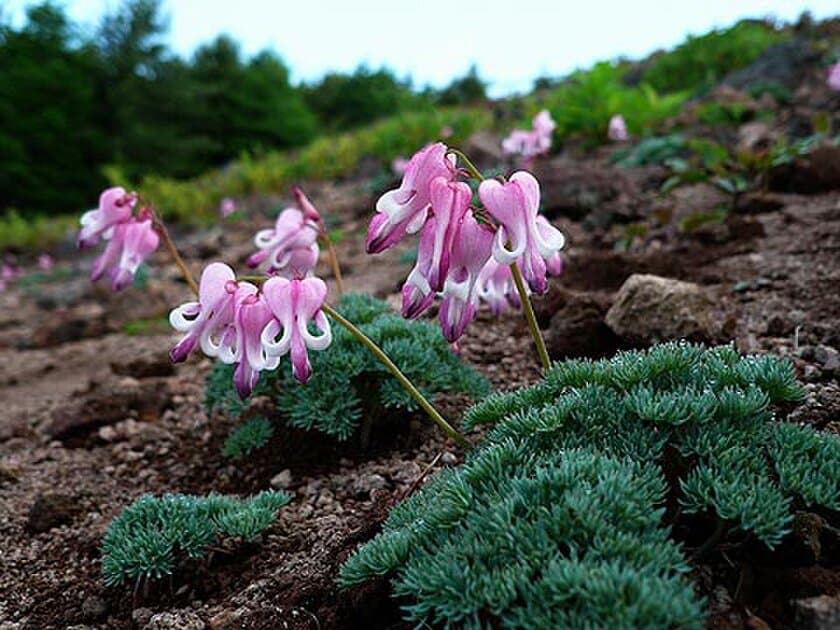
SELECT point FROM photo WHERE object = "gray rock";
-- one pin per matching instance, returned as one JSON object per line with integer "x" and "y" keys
{"x": 650, "y": 309}
{"x": 282, "y": 480}
{"x": 94, "y": 608}
{"x": 818, "y": 613}
{"x": 175, "y": 620}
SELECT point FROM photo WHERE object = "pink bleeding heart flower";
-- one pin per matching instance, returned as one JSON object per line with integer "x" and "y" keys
{"x": 295, "y": 303}
{"x": 45, "y": 262}
{"x": 404, "y": 210}
{"x": 291, "y": 246}
{"x": 307, "y": 207}
{"x": 450, "y": 202}
{"x": 208, "y": 323}
{"x": 252, "y": 316}
{"x": 496, "y": 287}
{"x": 227, "y": 207}
{"x": 532, "y": 143}
{"x": 617, "y": 129}
{"x": 399, "y": 165}
{"x": 515, "y": 205}
{"x": 115, "y": 207}
{"x": 131, "y": 243}
{"x": 834, "y": 77}
{"x": 417, "y": 293}
{"x": 8, "y": 272}
{"x": 472, "y": 248}
{"x": 544, "y": 126}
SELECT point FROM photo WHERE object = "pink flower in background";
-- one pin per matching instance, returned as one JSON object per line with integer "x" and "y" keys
{"x": 446, "y": 132}
{"x": 495, "y": 286}
{"x": 227, "y": 207}
{"x": 291, "y": 247}
{"x": 45, "y": 262}
{"x": 8, "y": 272}
{"x": 515, "y": 205}
{"x": 472, "y": 247}
{"x": 617, "y": 129}
{"x": 532, "y": 143}
{"x": 115, "y": 207}
{"x": 293, "y": 304}
{"x": 130, "y": 244}
{"x": 405, "y": 209}
{"x": 834, "y": 77}
{"x": 399, "y": 165}
{"x": 207, "y": 322}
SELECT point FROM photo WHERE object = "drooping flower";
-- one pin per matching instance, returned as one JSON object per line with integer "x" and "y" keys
{"x": 405, "y": 209}
{"x": 115, "y": 208}
{"x": 294, "y": 304}
{"x": 45, "y": 262}
{"x": 399, "y": 165}
{"x": 417, "y": 293}
{"x": 450, "y": 202}
{"x": 515, "y": 205}
{"x": 227, "y": 207}
{"x": 544, "y": 126}
{"x": 291, "y": 247}
{"x": 617, "y": 129}
{"x": 534, "y": 142}
{"x": 471, "y": 250}
{"x": 250, "y": 319}
{"x": 834, "y": 77}
{"x": 130, "y": 244}
{"x": 496, "y": 287}
{"x": 208, "y": 323}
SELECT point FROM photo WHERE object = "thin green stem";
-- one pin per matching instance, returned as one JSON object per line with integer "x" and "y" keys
{"x": 173, "y": 251}
{"x": 470, "y": 166}
{"x": 336, "y": 268}
{"x": 528, "y": 308}
{"x": 407, "y": 384}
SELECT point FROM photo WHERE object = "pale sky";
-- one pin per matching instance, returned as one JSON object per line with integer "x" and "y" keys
{"x": 436, "y": 40}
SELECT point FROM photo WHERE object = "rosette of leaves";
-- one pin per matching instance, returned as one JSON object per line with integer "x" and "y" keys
{"x": 348, "y": 384}
{"x": 557, "y": 519}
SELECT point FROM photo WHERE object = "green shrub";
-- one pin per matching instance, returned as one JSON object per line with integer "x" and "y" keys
{"x": 149, "y": 537}
{"x": 348, "y": 382}
{"x": 557, "y": 519}
{"x": 330, "y": 157}
{"x": 34, "y": 232}
{"x": 702, "y": 61}
{"x": 583, "y": 104}
{"x": 653, "y": 150}
{"x": 532, "y": 536}
{"x": 252, "y": 434}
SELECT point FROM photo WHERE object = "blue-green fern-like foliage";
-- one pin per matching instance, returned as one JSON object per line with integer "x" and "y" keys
{"x": 705, "y": 416}
{"x": 147, "y": 539}
{"x": 348, "y": 382}
{"x": 525, "y": 535}
{"x": 556, "y": 519}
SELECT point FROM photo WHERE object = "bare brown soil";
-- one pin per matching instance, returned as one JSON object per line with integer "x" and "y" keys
{"x": 92, "y": 418}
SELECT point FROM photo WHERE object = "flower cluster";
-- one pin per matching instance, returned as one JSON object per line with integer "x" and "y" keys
{"x": 617, "y": 129}
{"x": 239, "y": 323}
{"x": 290, "y": 249}
{"x": 465, "y": 253}
{"x": 130, "y": 238}
{"x": 534, "y": 142}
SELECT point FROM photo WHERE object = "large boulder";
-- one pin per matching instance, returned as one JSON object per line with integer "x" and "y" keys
{"x": 651, "y": 309}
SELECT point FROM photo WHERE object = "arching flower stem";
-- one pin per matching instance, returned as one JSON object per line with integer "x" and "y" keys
{"x": 403, "y": 380}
